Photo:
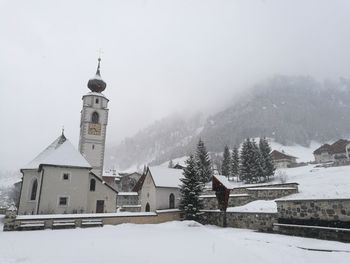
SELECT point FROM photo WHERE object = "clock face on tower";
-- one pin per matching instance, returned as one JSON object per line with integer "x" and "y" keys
{"x": 94, "y": 129}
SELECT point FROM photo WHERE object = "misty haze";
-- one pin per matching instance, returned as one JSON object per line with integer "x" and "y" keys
{"x": 198, "y": 115}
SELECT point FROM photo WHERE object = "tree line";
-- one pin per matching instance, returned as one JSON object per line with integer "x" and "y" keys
{"x": 252, "y": 164}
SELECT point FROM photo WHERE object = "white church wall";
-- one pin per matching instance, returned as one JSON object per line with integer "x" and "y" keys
{"x": 148, "y": 194}
{"x": 163, "y": 197}
{"x": 54, "y": 187}
{"x": 102, "y": 192}
{"x": 27, "y": 206}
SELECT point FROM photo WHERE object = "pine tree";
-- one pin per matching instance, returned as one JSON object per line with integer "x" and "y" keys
{"x": 245, "y": 162}
{"x": 190, "y": 191}
{"x": 203, "y": 163}
{"x": 234, "y": 167}
{"x": 268, "y": 164}
{"x": 257, "y": 172}
{"x": 225, "y": 167}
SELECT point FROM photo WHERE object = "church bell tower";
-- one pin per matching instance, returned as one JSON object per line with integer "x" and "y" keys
{"x": 93, "y": 123}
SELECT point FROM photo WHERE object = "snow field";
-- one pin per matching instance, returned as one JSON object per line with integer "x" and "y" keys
{"x": 168, "y": 242}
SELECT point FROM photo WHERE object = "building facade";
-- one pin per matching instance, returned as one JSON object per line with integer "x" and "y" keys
{"x": 93, "y": 123}
{"x": 339, "y": 151}
{"x": 283, "y": 160}
{"x": 59, "y": 181}
{"x": 62, "y": 180}
{"x": 159, "y": 188}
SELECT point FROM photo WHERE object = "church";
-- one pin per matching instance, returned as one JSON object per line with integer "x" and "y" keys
{"x": 63, "y": 180}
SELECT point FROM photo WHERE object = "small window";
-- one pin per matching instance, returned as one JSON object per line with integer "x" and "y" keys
{"x": 92, "y": 185}
{"x": 93, "y": 146}
{"x": 34, "y": 190}
{"x": 63, "y": 201}
{"x": 65, "y": 176}
{"x": 96, "y": 101}
{"x": 171, "y": 201}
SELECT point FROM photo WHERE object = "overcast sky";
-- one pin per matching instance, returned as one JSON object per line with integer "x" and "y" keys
{"x": 159, "y": 57}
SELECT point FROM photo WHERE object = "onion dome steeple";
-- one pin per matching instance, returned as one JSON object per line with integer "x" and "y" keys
{"x": 96, "y": 84}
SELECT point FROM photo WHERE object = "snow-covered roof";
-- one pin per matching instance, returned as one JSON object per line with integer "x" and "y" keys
{"x": 110, "y": 173}
{"x": 258, "y": 206}
{"x": 128, "y": 193}
{"x": 224, "y": 181}
{"x": 166, "y": 177}
{"x": 62, "y": 153}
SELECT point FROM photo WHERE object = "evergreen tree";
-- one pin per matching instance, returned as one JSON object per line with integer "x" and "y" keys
{"x": 190, "y": 191}
{"x": 257, "y": 172}
{"x": 225, "y": 167}
{"x": 203, "y": 163}
{"x": 245, "y": 162}
{"x": 268, "y": 164}
{"x": 234, "y": 167}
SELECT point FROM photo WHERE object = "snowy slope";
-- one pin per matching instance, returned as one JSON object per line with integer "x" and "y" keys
{"x": 333, "y": 182}
{"x": 304, "y": 154}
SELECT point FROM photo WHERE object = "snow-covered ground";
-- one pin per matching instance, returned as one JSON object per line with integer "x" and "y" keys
{"x": 314, "y": 183}
{"x": 169, "y": 242}
{"x": 304, "y": 154}
{"x": 261, "y": 206}
{"x": 333, "y": 182}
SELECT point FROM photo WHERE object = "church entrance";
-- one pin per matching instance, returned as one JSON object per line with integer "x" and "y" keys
{"x": 100, "y": 206}
{"x": 147, "y": 208}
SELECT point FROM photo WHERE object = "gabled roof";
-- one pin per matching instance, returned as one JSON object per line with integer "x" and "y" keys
{"x": 221, "y": 180}
{"x": 276, "y": 155}
{"x": 139, "y": 183}
{"x": 166, "y": 177}
{"x": 337, "y": 147}
{"x": 60, "y": 153}
{"x": 162, "y": 177}
{"x": 324, "y": 148}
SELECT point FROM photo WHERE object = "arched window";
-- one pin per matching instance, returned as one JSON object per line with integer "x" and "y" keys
{"x": 147, "y": 208}
{"x": 34, "y": 189}
{"x": 92, "y": 185}
{"x": 171, "y": 201}
{"x": 95, "y": 117}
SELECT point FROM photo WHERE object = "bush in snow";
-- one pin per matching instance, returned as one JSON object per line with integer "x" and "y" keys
{"x": 282, "y": 176}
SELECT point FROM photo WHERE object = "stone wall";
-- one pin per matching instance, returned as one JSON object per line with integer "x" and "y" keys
{"x": 270, "y": 193}
{"x": 210, "y": 202}
{"x": 244, "y": 188}
{"x": 314, "y": 232}
{"x": 256, "y": 221}
{"x": 130, "y": 208}
{"x": 321, "y": 209}
{"x": 239, "y": 199}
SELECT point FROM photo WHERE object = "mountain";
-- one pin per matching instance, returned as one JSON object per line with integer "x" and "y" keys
{"x": 290, "y": 109}
{"x": 165, "y": 139}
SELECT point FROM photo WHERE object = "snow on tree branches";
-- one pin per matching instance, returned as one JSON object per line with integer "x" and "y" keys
{"x": 203, "y": 163}
{"x": 190, "y": 190}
